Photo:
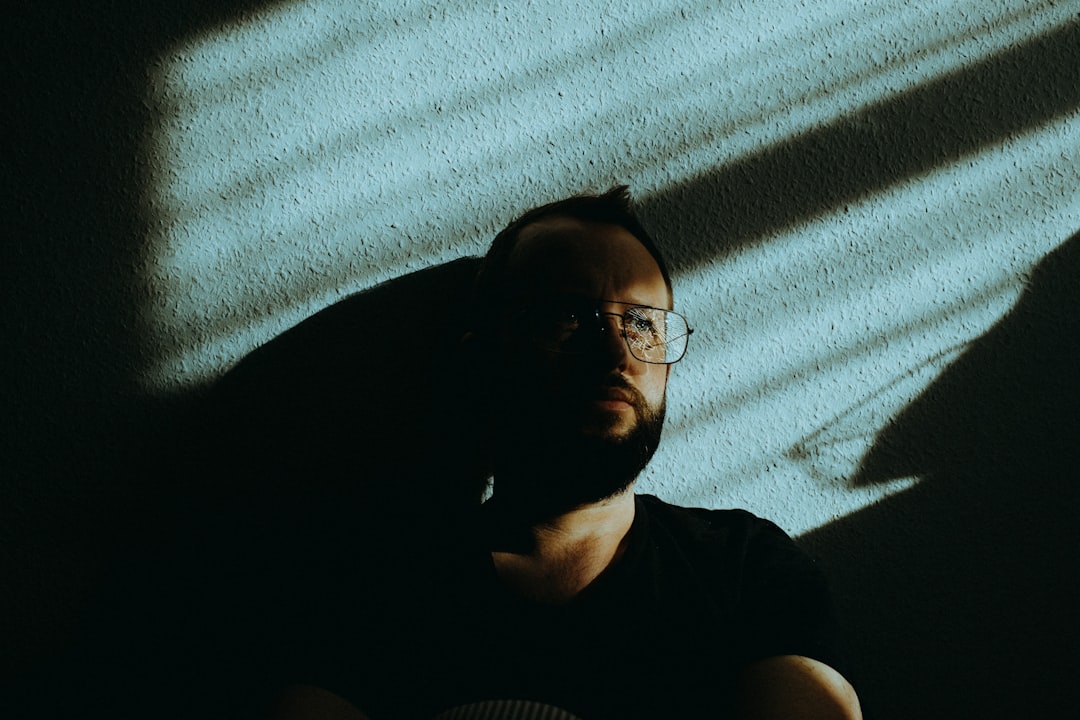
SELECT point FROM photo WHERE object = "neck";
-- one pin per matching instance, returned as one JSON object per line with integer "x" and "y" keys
{"x": 552, "y": 559}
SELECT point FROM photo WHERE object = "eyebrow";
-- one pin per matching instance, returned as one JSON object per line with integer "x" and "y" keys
{"x": 590, "y": 299}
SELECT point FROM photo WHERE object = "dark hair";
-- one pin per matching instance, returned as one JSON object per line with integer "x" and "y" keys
{"x": 613, "y": 207}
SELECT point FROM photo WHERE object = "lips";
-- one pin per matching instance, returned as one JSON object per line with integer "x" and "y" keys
{"x": 614, "y": 394}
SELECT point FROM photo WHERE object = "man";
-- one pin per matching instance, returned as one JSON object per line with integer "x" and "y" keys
{"x": 566, "y": 593}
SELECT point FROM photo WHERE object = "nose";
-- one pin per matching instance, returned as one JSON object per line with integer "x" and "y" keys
{"x": 615, "y": 350}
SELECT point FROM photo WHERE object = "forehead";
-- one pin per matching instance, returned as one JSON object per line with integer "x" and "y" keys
{"x": 563, "y": 255}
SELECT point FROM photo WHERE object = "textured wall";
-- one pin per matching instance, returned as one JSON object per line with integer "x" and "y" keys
{"x": 853, "y": 196}
{"x": 316, "y": 149}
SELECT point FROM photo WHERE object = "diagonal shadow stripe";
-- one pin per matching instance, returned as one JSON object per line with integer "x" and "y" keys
{"x": 911, "y": 133}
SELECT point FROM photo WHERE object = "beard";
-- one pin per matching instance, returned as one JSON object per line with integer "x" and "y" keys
{"x": 548, "y": 461}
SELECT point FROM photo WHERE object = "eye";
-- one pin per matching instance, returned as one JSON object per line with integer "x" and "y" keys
{"x": 638, "y": 323}
{"x": 564, "y": 316}
{"x": 558, "y": 322}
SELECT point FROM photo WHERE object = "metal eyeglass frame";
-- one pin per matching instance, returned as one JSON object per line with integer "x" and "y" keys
{"x": 593, "y": 306}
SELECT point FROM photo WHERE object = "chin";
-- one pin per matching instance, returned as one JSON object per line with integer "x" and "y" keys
{"x": 617, "y": 432}
{"x": 615, "y": 426}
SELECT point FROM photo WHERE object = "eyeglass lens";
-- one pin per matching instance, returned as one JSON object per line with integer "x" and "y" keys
{"x": 653, "y": 335}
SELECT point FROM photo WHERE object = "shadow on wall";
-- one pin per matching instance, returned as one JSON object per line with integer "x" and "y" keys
{"x": 960, "y": 594}
{"x": 899, "y": 137}
{"x": 1009, "y": 400}
{"x": 363, "y": 402}
{"x": 80, "y": 227}
{"x": 342, "y": 443}
{"x": 72, "y": 288}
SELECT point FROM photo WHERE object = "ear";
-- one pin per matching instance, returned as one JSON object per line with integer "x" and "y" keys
{"x": 476, "y": 357}
{"x": 478, "y": 345}
{"x": 467, "y": 340}
{"x": 475, "y": 364}
{"x": 473, "y": 348}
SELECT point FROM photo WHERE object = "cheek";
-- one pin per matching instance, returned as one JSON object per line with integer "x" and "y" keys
{"x": 528, "y": 371}
{"x": 654, "y": 384}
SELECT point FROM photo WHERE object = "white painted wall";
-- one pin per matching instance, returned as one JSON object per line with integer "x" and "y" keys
{"x": 317, "y": 148}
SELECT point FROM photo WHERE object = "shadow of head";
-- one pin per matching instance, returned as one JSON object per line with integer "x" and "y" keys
{"x": 361, "y": 400}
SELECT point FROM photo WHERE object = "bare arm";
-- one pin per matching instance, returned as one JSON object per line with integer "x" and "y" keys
{"x": 792, "y": 687}
{"x": 307, "y": 702}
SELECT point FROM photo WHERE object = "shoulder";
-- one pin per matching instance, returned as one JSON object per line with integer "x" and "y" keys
{"x": 723, "y": 517}
{"x": 761, "y": 550}
{"x": 756, "y": 573}
{"x": 734, "y": 529}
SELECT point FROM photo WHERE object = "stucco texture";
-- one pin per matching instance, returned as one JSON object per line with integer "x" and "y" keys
{"x": 871, "y": 211}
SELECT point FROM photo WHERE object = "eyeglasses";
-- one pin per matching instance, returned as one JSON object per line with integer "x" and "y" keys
{"x": 577, "y": 326}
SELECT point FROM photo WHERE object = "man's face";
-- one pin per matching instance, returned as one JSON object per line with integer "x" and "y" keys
{"x": 597, "y": 414}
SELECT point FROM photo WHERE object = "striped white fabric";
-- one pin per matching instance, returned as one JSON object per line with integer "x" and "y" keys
{"x": 505, "y": 710}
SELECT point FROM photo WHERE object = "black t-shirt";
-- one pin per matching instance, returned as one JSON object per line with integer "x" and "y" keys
{"x": 698, "y": 595}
